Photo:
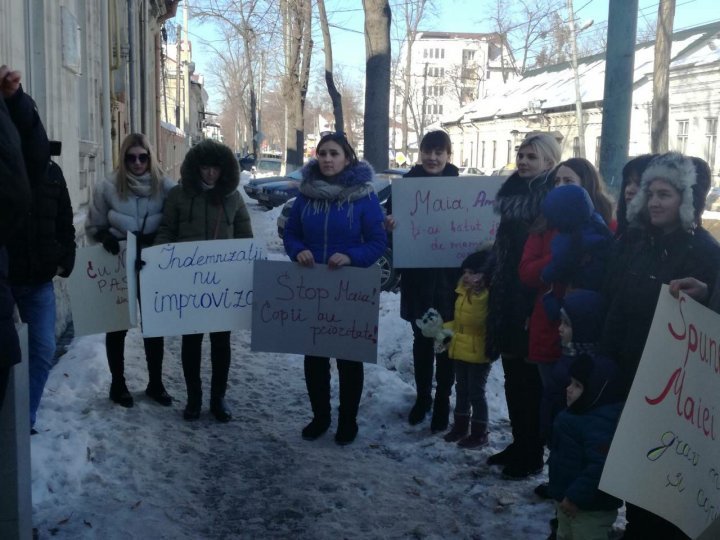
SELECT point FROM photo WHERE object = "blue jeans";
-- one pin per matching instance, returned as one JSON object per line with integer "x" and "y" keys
{"x": 36, "y": 304}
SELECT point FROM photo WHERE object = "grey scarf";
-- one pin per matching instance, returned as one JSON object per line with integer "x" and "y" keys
{"x": 141, "y": 186}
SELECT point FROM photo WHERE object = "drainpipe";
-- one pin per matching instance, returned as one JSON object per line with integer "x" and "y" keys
{"x": 158, "y": 100}
{"x": 131, "y": 66}
{"x": 142, "y": 35}
{"x": 106, "y": 113}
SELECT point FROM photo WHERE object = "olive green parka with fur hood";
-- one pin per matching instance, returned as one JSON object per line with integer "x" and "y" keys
{"x": 193, "y": 211}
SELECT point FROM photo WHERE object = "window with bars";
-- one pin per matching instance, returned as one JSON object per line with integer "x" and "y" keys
{"x": 711, "y": 126}
{"x": 683, "y": 130}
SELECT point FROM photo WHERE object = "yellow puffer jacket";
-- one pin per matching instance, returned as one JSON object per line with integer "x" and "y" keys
{"x": 468, "y": 341}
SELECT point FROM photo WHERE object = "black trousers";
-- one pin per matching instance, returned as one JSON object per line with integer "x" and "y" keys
{"x": 644, "y": 525}
{"x": 115, "y": 348}
{"x": 4, "y": 379}
{"x": 219, "y": 359}
{"x": 425, "y": 361}
{"x": 523, "y": 393}
{"x": 317, "y": 380}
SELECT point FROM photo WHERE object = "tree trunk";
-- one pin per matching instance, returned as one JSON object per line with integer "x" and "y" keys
{"x": 297, "y": 18}
{"x": 661, "y": 78}
{"x": 329, "y": 78}
{"x": 377, "y": 82}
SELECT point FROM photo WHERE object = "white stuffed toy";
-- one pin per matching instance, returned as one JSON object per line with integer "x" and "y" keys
{"x": 431, "y": 325}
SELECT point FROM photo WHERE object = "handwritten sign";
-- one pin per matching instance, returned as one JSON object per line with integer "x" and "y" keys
{"x": 441, "y": 220}
{"x": 665, "y": 456}
{"x": 198, "y": 287}
{"x": 316, "y": 311}
{"x": 98, "y": 291}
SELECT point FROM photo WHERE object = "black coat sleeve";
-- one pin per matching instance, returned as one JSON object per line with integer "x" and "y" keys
{"x": 14, "y": 186}
{"x": 64, "y": 228}
{"x": 33, "y": 138}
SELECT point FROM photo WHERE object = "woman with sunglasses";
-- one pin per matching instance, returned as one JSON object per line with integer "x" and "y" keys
{"x": 131, "y": 200}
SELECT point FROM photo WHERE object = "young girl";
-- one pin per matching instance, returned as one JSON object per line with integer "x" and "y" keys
{"x": 467, "y": 351}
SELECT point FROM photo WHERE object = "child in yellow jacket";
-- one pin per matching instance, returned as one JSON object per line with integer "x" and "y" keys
{"x": 467, "y": 351}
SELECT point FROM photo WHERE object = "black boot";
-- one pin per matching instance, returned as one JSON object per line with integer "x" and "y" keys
{"x": 503, "y": 457}
{"x": 120, "y": 394}
{"x": 194, "y": 404}
{"x": 441, "y": 412}
{"x": 347, "y": 430}
{"x": 317, "y": 381}
{"x": 157, "y": 392}
{"x": 422, "y": 406}
{"x": 316, "y": 428}
{"x": 220, "y": 410}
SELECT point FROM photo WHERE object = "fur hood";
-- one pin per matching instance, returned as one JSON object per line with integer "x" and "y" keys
{"x": 210, "y": 152}
{"x": 520, "y": 199}
{"x": 362, "y": 173}
{"x": 679, "y": 172}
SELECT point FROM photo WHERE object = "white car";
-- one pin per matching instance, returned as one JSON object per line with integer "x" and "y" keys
{"x": 470, "y": 171}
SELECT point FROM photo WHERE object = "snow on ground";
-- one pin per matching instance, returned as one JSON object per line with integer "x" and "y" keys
{"x": 102, "y": 471}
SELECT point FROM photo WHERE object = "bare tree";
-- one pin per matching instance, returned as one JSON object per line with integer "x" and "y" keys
{"x": 238, "y": 20}
{"x": 661, "y": 77}
{"x": 413, "y": 12}
{"x": 297, "y": 20}
{"x": 377, "y": 81}
{"x": 329, "y": 78}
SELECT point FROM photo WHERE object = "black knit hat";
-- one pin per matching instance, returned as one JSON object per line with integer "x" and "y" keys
{"x": 475, "y": 262}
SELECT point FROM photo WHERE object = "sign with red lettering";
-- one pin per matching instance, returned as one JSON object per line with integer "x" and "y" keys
{"x": 98, "y": 291}
{"x": 442, "y": 219}
{"x": 665, "y": 456}
{"x": 316, "y": 311}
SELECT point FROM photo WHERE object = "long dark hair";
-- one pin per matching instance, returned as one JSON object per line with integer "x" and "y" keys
{"x": 631, "y": 174}
{"x": 592, "y": 182}
{"x": 340, "y": 139}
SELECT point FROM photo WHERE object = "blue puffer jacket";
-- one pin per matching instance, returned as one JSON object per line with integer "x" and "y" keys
{"x": 581, "y": 248}
{"x": 581, "y": 440}
{"x": 325, "y": 227}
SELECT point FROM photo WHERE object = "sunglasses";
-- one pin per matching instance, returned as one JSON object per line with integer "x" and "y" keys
{"x": 132, "y": 158}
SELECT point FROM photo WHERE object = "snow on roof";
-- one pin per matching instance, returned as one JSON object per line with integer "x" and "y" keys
{"x": 553, "y": 86}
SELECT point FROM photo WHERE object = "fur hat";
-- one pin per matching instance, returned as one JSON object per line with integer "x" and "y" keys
{"x": 678, "y": 171}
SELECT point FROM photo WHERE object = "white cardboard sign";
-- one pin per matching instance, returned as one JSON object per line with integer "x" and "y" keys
{"x": 98, "y": 291}
{"x": 316, "y": 311}
{"x": 441, "y": 220}
{"x": 198, "y": 287}
{"x": 665, "y": 456}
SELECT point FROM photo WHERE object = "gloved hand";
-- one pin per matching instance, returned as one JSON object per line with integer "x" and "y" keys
{"x": 139, "y": 263}
{"x": 108, "y": 241}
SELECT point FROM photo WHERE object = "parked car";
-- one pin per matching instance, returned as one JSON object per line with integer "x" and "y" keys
{"x": 265, "y": 166}
{"x": 389, "y": 277}
{"x": 279, "y": 192}
{"x": 246, "y": 162}
{"x": 252, "y": 188}
{"x": 507, "y": 170}
{"x": 468, "y": 171}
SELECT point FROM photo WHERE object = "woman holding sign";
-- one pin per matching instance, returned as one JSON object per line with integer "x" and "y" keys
{"x": 663, "y": 242}
{"x": 206, "y": 206}
{"x": 131, "y": 200}
{"x": 510, "y": 304}
{"x": 423, "y": 288}
{"x": 336, "y": 220}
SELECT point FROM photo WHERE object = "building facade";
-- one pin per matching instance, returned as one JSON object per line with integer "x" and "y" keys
{"x": 486, "y": 132}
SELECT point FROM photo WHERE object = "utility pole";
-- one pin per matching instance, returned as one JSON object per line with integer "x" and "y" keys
{"x": 578, "y": 96}
{"x": 178, "y": 76}
{"x": 661, "y": 77}
{"x": 617, "y": 99}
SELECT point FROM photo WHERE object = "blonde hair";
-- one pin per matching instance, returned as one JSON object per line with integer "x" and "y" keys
{"x": 156, "y": 174}
{"x": 546, "y": 146}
